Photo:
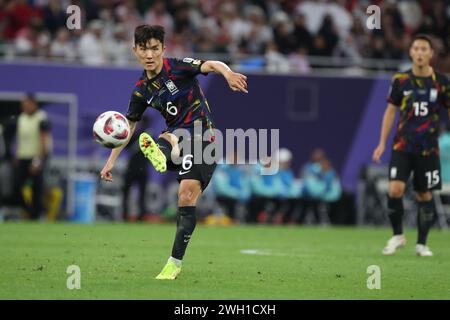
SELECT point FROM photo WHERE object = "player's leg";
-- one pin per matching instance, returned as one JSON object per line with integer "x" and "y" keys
{"x": 142, "y": 184}
{"x": 125, "y": 194}
{"x": 188, "y": 195}
{"x": 427, "y": 177}
{"x": 37, "y": 193}
{"x": 399, "y": 172}
{"x": 426, "y": 217}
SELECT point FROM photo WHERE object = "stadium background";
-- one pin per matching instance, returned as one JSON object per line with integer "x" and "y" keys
{"x": 315, "y": 71}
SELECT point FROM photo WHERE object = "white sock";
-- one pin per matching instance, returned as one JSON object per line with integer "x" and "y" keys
{"x": 176, "y": 261}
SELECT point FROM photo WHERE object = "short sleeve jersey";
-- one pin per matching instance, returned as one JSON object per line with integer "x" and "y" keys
{"x": 419, "y": 100}
{"x": 175, "y": 93}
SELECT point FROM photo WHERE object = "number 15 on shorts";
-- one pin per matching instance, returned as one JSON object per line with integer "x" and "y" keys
{"x": 432, "y": 178}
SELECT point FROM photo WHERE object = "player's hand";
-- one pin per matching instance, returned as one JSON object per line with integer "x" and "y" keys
{"x": 237, "y": 81}
{"x": 106, "y": 174}
{"x": 377, "y": 153}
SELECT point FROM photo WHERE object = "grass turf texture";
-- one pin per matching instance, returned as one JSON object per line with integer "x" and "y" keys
{"x": 120, "y": 261}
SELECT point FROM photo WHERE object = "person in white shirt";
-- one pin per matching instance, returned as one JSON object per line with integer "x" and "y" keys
{"x": 33, "y": 149}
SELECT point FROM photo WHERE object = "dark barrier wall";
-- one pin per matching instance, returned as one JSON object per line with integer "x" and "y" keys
{"x": 339, "y": 114}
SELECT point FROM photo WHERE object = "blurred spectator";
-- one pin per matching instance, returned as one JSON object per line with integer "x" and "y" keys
{"x": 128, "y": 15}
{"x": 54, "y": 16}
{"x": 62, "y": 47}
{"x": 275, "y": 61}
{"x": 324, "y": 28}
{"x": 92, "y": 49}
{"x": 282, "y": 33}
{"x": 34, "y": 145}
{"x": 303, "y": 38}
{"x": 313, "y": 187}
{"x": 119, "y": 47}
{"x": 329, "y": 35}
{"x": 231, "y": 186}
{"x": 136, "y": 172}
{"x": 290, "y": 189}
{"x": 333, "y": 190}
{"x": 265, "y": 190}
{"x": 17, "y": 15}
{"x": 298, "y": 61}
{"x": 33, "y": 40}
{"x": 231, "y": 20}
{"x": 321, "y": 187}
{"x": 259, "y": 33}
{"x": 157, "y": 15}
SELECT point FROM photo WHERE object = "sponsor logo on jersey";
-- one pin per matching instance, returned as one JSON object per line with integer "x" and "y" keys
{"x": 407, "y": 92}
{"x": 433, "y": 94}
{"x": 195, "y": 62}
{"x": 171, "y": 86}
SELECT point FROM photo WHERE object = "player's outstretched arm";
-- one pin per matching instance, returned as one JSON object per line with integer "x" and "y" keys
{"x": 388, "y": 122}
{"x": 106, "y": 174}
{"x": 236, "y": 81}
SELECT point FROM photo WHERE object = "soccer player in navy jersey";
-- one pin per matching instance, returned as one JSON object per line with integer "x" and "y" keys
{"x": 170, "y": 86}
{"x": 418, "y": 94}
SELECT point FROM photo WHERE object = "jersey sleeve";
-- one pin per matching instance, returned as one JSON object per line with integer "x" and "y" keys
{"x": 187, "y": 67}
{"x": 394, "y": 96}
{"x": 136, "y": 106}
{"x": 44, "y": 125}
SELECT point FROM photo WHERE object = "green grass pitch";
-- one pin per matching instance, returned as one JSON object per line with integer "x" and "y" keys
{"x": 119, "y": 261}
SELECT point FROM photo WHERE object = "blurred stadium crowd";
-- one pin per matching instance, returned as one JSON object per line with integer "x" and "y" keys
{"x": 271, "y": 35}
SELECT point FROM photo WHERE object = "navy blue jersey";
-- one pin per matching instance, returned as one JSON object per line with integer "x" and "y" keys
{"x": 175, "y": 93}
{"x": 419, "y": 100}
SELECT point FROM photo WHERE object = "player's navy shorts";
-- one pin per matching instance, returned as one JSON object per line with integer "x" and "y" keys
{"x": 194, "y": 165}
{"x": 426, "y": 169}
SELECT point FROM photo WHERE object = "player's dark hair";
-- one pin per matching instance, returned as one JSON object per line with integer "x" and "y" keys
{"x": 422, "y": 36}
{"x": 145, "y": 32}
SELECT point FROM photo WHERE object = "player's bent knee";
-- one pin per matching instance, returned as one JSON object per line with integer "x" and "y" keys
{"x": 424, "y": 196}
{"x": 396, "y": 190}
{"x": 169, "y": 137}
{"x": 187, "y": 197}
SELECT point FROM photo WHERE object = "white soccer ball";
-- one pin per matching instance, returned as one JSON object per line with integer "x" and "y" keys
{"x": 111, "y": 129}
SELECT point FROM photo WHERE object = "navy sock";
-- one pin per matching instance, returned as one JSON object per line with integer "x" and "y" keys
{"x": 395, "y": 213}
{"x": 186, "y": 221}
{"x": 425, "y": 219}
{"x": 165, "y": 147}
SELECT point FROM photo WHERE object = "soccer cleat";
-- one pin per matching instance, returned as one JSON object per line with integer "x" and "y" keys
{"x": 151, "y": 151}
{"x": 423, "y": 251}
{"x": 169, "y": 272}
{"x": 393, "y": 244}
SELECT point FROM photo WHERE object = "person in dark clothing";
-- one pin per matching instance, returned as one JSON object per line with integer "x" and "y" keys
{"x": 136, "y": 172}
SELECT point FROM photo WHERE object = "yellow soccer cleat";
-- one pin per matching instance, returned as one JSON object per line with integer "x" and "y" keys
{"x": 151, "y": 151}
{"x": 169, "y": 272}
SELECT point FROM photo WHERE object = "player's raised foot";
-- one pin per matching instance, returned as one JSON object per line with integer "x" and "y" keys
{"x": 169, "y": 272}
{"x": 423, "y": 251}
{"x": 393, "y": 244}
{"x": 151, "y": 151}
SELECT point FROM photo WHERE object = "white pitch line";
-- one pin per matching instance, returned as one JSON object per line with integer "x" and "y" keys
{"x": 268, "y": 252}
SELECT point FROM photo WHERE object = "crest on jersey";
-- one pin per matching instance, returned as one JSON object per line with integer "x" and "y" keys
{"x": 433, "y": 94}
{"x": 171, "y": 86}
